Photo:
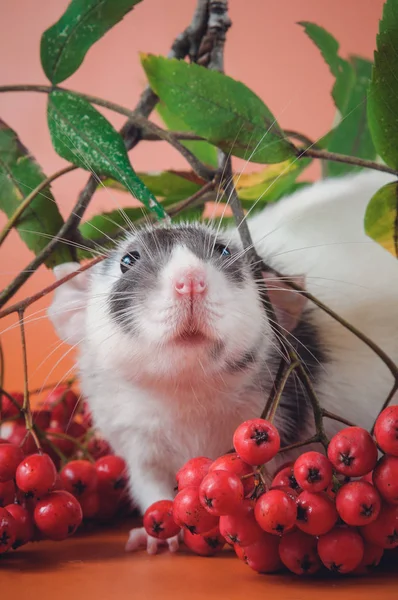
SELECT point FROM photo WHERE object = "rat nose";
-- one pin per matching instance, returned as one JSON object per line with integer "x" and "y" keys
{"x": 191, "y": 281}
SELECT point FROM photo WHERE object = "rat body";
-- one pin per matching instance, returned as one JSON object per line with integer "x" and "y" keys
{"x": 175, "y": 350}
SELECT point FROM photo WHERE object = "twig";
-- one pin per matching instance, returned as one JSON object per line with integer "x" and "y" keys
{"x": 275, "y": 386}
{"x": 177, "y": 208}
{"x": 148, "y": 136}
{"x": 26, "y": 404}
{"x": 386, "y": 402}
{"x": 11, "y": 398}
{"x": 12, "y": 221}
{"x": 330, "y": 415}
{"x": 51, "y": 386}
{"x": 312, "y": 440}
{"x": 342, "y": 158}
{"x": 275, "y": 403}
{"x": 69, "y": 438}
{"x": 23, "y": 304}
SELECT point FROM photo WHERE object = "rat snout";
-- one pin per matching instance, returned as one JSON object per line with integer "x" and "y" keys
{"x": 190, "y": 281}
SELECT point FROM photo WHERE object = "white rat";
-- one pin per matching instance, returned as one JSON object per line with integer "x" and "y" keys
{"x": 175, "y": 349}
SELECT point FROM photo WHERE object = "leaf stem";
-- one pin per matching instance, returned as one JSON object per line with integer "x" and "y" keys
{"x": 13, "y": 220}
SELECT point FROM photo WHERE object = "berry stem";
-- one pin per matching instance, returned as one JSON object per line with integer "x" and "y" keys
{"x": 51, "y": 386}
{"x": 387, "y": 401}
{"x": 65, "y": 436}
{"x": 270, "y": 414}
{"x": 330, "y": 415}
{"x": 312, "y": 440}
{"x": 26, "y": 411}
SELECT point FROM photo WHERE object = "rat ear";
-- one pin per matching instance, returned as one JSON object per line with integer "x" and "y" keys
{"x": 288, "y": 304}
{"x": 68, "y": 306}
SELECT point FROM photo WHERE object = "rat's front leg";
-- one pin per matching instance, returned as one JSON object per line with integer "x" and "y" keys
{"x": 148, "y": 485}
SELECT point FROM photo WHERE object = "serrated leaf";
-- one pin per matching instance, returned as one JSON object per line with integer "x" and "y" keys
{"x": 81, "y": 135}
{"x": 381, "y": 218}
{"x": 352, "y": 135}
{"x": 341, "y": 69}
{"x": 65, "y": 44}
{"x": 19, "y": 175}
{"x": 223, "y": 111}
{"x": 204, "y": 151}
{"x": 383, "y": 89}
{"x": 270, "y": 184}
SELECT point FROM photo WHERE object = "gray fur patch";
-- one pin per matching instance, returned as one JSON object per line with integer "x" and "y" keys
{"x": 155, "y": 246}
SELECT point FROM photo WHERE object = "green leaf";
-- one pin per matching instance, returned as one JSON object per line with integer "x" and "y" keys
{"x": 223, "y": 111}
{"x": 341, "y": 69}
{"x": 381, "y": 218}
{"x": 19, "y": 175}
{"x": 383, "y": 89}
{"x": 352, "y": 135}
{"x": 176, "y": 184}
{"x": 65, "y": 44}
{"x": 81, "y": 135}
{"x": 204, "y": 151}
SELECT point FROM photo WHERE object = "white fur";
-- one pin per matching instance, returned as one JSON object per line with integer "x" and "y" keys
{"x": 159, "y": 406}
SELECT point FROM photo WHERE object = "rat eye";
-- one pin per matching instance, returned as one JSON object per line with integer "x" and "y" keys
{"x": 222, "y": 250}
{"x": 128, "y": 260}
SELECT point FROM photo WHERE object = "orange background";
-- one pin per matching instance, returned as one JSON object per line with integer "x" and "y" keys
{"x": 266, "y": 50}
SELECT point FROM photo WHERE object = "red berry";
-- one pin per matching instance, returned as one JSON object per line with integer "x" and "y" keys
{"x": 316, "y": 513}
{"x": 7, "y": 492}
{"x": 371, "y": 558}
{"x": 98, "y": 448}
{"x": 63, "y": 403}
{"x": 353, "y": 451}
{"x": 192, "y": 473}
{"x": 385, "y": 478}
{"x": 189, "y": 513}
{"x": 21, "y": 437}
{"x": 287, "y": 490}
{"x": 24, "y": 528}
{"x": 36, "y": 475}
{"x": 10, "y": 457}
{"x": 285, "y": 478}
{"x": 263, "y": 555}
{"x": 275, "y": 512}
{"x": 241, "y": 528}
{"x": 205, "y": 545}
{"x": 221, "y": 493}
{"x": 112, "y": 474}
{"x": 358, "y": 503}
{"x": 90, "y": 505}
{"x": 8, "y": 408}
{"x": 108, "y": 507}
{"x": 256, "y": 441}
{"x": 233, "y": 463}
{"x": 298, "y": 552}
{"x": 313, "y": 471}
{"x": 79, "y": 477}
{"x": 159, "y": 522}
{"x": 54, "y": 435}
{"x": 58, "y": 515}
{"x": 41, "y": 418}
{"x": 383, "y": 531}
{"x": 386, "y": 430}
{"x": 341, "y": 550}
{"x": 8, "y": 530}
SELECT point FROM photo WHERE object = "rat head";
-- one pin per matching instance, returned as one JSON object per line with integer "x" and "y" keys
{"x": 168, "y": 301}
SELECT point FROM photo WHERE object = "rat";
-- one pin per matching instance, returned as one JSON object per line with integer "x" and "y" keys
{"x": 175, "y": 349}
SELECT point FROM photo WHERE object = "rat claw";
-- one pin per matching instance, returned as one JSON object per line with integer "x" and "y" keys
{"x": 138, "y": 538}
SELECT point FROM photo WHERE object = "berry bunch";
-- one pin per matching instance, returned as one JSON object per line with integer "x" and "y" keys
{"x": 338, "y": 511}
{"x": 48, "y": 492}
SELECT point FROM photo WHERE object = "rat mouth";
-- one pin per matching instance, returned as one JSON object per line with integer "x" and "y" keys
{"x": 190, "y": 337}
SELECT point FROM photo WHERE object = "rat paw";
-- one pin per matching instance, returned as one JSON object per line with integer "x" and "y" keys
{"x": 138, "y": 538}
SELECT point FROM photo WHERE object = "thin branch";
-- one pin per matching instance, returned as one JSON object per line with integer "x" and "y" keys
{"x": 387, "y": 401}
{"x": 277, "y": 398}
{"x": 177, "y": 208}
{"x": 312, "y": 440}
{"x": 23, "y": 304}
{"x": 330, "y": 415}
{"x": 26, "y": 404}
{"x": 51, "y": 386}
{"x": 12, "y": 221}
{"x": 178, "y": 135}
{"x": 342, "y": 158}
{"x": 275, "y": 386}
